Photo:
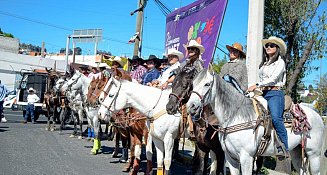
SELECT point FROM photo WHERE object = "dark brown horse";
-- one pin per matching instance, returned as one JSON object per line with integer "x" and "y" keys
{"x": 206, "y": 138}
{"x": 51, "y": 99}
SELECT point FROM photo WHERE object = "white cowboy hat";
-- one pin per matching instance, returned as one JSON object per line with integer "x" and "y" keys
{"x": 278, "y": 41}
{"x": 195, "y": 44}
{"x": 31, "y": 90}
{"x": 118, "y": 60}
{"x": 173, "y": 51}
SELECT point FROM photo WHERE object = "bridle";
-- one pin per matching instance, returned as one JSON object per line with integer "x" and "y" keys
{"x": 74, "y": 82}
{"x": 114, "y": 99}
{"x": 203, "y": 97}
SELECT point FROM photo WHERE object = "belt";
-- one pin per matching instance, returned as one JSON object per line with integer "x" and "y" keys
{"x": 269, "y": 88}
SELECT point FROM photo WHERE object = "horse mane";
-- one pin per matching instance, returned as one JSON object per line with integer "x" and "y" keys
{"x": 121, "y": 74}
{"x": 233, "y": 103}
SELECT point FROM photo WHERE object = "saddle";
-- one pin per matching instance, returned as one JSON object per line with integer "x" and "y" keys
{"x": 294, "y": 117}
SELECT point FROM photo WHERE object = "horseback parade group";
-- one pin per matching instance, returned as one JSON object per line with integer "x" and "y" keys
{"x": 159, "y": 102}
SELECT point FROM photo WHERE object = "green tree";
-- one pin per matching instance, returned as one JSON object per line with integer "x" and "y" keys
{"x": 321, "y": 104}
{"x": 303, "y": 26}
{"x": 6, "y": 34}
{"x": 218, "y": 64}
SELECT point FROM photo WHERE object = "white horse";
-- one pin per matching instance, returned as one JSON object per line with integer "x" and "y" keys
{"x": 232, "y": 108}
{"x": 151, "y": 102}
{"x": 76, "y": 89}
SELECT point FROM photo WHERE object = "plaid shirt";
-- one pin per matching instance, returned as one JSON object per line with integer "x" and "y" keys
{"x": 138, "y": 73}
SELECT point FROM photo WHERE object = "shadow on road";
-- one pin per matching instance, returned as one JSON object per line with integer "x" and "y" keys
{"x": 2, "y": 128}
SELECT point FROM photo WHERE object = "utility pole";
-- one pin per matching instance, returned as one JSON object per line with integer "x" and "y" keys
{"x": 139, "y": 23}
{"x": 254, "y": 37}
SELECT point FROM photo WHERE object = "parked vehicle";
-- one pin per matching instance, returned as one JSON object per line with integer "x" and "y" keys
{"x": 38, "y": 81}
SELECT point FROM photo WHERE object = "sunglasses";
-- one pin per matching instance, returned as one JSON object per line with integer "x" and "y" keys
{"x": 192, "y": 48}
{"x": 271, "y": 45}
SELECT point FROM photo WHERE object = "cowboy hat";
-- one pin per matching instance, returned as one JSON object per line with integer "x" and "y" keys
{"x": 173, "y": 51}
{"x": 238, "y": 47}
{"x": 31, "y": 90}
{"x": 195, "y": 44}
{"x": 118, "y": 60}
{"x": 84, "y": 67}
{"x": 105, "y": 65}
{"x": 154, "y": 59}
{"x": 278, "y": 41}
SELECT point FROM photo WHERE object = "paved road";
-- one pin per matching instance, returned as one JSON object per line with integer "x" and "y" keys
{"x": 30, "y": 149}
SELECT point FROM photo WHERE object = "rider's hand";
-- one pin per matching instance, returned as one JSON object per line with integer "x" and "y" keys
{"x": 251, "y": 88}
{"x": 164, "y": 86}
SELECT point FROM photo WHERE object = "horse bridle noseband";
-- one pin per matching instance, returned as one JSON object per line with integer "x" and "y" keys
{"x": 74, "y": 82}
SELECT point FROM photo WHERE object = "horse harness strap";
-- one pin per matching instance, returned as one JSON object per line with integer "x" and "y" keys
{"x": 155, "y": 117}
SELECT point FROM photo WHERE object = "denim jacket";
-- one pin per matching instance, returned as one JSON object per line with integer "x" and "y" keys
{"x": 150, "y": 75}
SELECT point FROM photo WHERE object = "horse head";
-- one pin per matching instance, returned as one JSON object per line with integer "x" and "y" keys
{"x": 201, "y": 94}
{"x": 91, "y": 95}
{"x": 59, "y": 83}
{"x": 181, "y": 88}
{"x": 74, "y": 83}
{"x": 115, "y": 100}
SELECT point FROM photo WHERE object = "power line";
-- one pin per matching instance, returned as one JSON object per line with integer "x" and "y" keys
{"x": 65, "y": 28}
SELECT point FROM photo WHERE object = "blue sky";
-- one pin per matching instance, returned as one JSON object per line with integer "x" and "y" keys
{"x": 115, "y": 20}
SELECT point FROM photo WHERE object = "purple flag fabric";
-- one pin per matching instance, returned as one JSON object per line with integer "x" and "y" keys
{"x": 200, "y": 21}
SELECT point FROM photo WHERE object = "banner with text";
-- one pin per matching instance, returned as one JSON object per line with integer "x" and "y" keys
{"x": 200, "y": 21}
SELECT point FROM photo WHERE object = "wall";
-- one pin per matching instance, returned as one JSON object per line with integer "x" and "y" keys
{"x": 9, "y": 44}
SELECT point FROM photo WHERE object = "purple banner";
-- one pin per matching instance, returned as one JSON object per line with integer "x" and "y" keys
{"x": 200, "y": 21}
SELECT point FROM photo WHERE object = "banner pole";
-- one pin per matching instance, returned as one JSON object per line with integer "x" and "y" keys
{"x": 222, "y": 21}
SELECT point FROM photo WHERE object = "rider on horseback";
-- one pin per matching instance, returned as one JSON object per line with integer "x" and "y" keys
{"x": 272, "y": 74}
{"x": 234, "y": 71}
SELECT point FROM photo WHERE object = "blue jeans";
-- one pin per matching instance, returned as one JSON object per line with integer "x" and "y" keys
{"x": 90, "y": 132}
{"x": 276, "y": 103}
{"x": 1, "y": 109}
{"x": 29, "y": 111}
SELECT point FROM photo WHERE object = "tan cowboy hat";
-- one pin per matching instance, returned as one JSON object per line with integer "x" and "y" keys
{"x": 105, "y": 65}
{"x": 238, "y": 47}
{"x": 195, "y": 44}
{"x": 31, "y": 90}
{"x": 118, "y": 60}
{"x": 173, "y": 51}
{"x": 278, "y": 41}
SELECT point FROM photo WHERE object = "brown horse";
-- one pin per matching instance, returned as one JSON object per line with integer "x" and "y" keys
{"x": 129, "y": 126}
{"x": 51, "y": 99}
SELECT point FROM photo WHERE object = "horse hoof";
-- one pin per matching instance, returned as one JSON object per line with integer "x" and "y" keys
{"x": 72, "y": 136}
{"x": 126, "y": 169}
{"x": 93, "y": 153}
{"x": 52, "y": 129}
{"x": 47, "y": 129}
{"x": 80, "y": 137}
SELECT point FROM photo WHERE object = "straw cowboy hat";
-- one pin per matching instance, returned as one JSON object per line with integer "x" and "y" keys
{"x": 278, "y": 41}
{"x": 105, "y": 65}
{"x": 118, "y": 60}
{"x": 238, "y": 47}
{"x": 195, "y": 44}
{"x": 31, "y": 90}
{"x": 173, "y": 51}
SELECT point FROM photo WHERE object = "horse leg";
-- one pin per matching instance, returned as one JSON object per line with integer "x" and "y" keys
{"x": 246, "y": 163}
{"x": 200, "y": 160}
{"x": 220, "y": 157}
{"x": 129, "y": 163}
{"x": 296, "y": 159}
{"x": 75, "y": 125}
{"x": 160, "y": 155}
{"x": 137, "y": 153}
{"x": 97, "y": 142}
{"x": 233, "y": 165}
{"x": 124, "y": 157}
{"x": 213, "y": 166}
{"x": 62, "y": 118}
{"x": 80, "y": 122}
{"x": 51, "y": 122}
{"x": 117, "y": 138}
{"x": 169, "y": 145}
{"x": 149, "y": 154}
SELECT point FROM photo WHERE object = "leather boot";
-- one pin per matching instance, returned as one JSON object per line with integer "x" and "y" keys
{"x": 124, "y": 156}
